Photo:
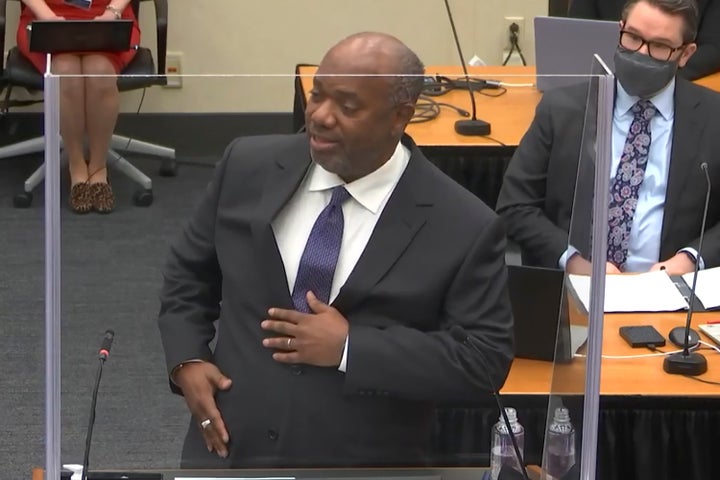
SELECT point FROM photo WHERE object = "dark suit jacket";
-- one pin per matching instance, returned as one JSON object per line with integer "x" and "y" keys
{"x": 536, "y": 199}
{"x": 707, "y": 58}
{"x": 435, "y": 259}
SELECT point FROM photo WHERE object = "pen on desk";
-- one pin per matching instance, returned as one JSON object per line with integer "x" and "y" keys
{"x": 713, "y": 322}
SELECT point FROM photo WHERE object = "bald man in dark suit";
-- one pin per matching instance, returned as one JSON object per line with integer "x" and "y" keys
{"x": 344, "y": 373}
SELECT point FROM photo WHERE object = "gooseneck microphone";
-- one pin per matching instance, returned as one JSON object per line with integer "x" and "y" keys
{"x": 459, "y": 334}
{"x": 685, "y": 362}
{"x": 472, "y": 127}
{"x": 103, "y": 354}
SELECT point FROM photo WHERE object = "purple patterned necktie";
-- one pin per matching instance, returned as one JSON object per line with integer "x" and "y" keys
{"x": 318, "y": 261}
{"x": 626, "y": 184}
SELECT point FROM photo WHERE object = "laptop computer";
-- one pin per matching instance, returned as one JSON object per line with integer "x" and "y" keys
{"x": 565, "y": 46}
{"x": 539, "y": 308}
{"x": 58, "y": 36}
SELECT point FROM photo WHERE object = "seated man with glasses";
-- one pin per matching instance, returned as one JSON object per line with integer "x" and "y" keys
{"x": 664, "y": 127}
{"x": 707, "y": 58}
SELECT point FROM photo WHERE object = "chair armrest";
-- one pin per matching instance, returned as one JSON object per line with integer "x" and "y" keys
{"x": 161, "y": 11}
{"x": 3, "y": 14}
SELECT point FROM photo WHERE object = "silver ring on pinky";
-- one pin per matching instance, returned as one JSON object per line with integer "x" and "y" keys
{"x": 205, "y": 423}
{"x": 289, "y": 343}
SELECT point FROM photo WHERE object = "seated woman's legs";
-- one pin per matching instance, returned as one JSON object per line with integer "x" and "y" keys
{"x": 102, "y": 102}
{"x": 72, "y": 128}
{"x": 72, "y": 114}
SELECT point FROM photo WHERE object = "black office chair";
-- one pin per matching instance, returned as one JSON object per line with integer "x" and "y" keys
{"x": 140, "y": 73}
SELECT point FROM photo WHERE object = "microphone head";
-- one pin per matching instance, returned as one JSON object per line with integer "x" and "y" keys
{"x": 704, "y": 166}
{"x": 104, "y": 351}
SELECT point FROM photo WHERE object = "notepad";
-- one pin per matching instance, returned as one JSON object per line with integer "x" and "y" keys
{"x": 712, "y": 330}
{"x": 708, "y": 286}
{"x": 644, "y": 292}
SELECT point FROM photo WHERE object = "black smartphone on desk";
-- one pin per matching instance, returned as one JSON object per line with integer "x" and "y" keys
{"x": 642, "y": 336}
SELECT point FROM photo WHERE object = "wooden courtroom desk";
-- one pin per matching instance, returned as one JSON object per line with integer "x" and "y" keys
{"x": 510, "y": 114}
{"x": 621, "y": 377}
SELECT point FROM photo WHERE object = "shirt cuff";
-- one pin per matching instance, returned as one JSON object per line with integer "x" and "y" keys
{"x": 562, "y": 262}
{"x": 180, "y": 365}
{"x": 694, "y": 253}
{"x": 343, "y": 360}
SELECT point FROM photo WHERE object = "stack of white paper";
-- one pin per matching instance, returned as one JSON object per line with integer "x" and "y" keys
{"x": 708, "y": 286}
{"x": 644, "y": 292}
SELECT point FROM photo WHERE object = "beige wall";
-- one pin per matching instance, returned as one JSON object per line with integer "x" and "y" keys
{"x": 250, "y": 38}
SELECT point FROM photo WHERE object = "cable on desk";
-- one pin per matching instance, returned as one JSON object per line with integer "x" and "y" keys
{"x": 710, "y": 346}
{"x": 627, "y": 357}
{"x": 710, "y": 382}
{"x": 495, "y": 140}
{"x": 516, "y": 85}
{"x": 440, "y": 85}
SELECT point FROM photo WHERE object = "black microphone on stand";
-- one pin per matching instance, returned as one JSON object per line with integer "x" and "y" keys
{"x": 685, "y": 362}
{"x": 103, "y": 354}
{"x": 459, "y": 334}
{"x": 472, "y": 127}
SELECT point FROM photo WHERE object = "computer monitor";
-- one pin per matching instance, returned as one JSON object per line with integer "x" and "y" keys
{"x": 541, "y": 315}
{"x": 565, "y": 47}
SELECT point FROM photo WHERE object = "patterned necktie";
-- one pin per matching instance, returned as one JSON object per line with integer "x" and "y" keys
{"x": 626, "y": 184}
{"x": 318, "y": 261}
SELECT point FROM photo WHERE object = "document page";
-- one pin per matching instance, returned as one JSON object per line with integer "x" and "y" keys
{"x": 708, "y": 286}
{"x": 644, "y": 292}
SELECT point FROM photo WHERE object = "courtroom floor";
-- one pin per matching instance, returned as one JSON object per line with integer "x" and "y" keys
{"x": 110, "y": 279}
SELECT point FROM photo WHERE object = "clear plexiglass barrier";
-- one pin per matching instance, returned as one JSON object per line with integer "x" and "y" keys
{"x": 180, "y": 222}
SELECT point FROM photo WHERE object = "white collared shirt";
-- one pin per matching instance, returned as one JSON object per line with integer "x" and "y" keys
{"x": 369, "y": 195}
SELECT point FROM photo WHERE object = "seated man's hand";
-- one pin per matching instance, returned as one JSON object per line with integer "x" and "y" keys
{"x": 579, "y": 266}
{"x": 199, "y": 381}
{"x": 678, "y": 264}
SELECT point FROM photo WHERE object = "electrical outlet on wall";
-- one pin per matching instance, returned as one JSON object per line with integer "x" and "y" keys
{"x": 511, "y": 24}
{"x": 508, "y": 21}
{"x": 173, "y": 69}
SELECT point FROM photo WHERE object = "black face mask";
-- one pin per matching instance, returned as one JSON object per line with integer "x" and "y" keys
{"x": 641, "y": 75}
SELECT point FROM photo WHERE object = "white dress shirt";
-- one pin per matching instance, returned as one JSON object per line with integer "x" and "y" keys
{"x": 369, "y": 195}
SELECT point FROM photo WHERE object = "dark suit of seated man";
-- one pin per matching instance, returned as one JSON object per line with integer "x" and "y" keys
{"x": 657, "y": 185}
{"x": 707, "y": 58}
{"x": 340, "y": 265}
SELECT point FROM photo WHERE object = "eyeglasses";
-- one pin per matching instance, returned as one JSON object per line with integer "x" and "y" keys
{"x": 657, "y": 50}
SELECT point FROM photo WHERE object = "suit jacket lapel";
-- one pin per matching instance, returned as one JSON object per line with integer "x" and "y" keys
{"x": 684, "y": 157}
{"x": 284, "y": 179}
{"x": 403, "y": 216}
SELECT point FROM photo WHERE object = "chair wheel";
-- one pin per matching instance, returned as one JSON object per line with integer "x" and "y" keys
{"x": 22, "y": 200}
{"x": 168, "y": 168}
{"x": 143, "y": 198}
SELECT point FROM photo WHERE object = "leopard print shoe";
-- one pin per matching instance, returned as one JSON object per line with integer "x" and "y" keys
{"x": 103, "y": 198}
{"x": 81, "y": 198}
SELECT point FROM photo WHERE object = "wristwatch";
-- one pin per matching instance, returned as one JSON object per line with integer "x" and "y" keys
{"x": 115, "y": 11}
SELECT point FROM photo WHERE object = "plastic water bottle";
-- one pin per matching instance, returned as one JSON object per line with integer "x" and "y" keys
{"x": 560, "y": 448}
{"x": 503, "y": 452}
